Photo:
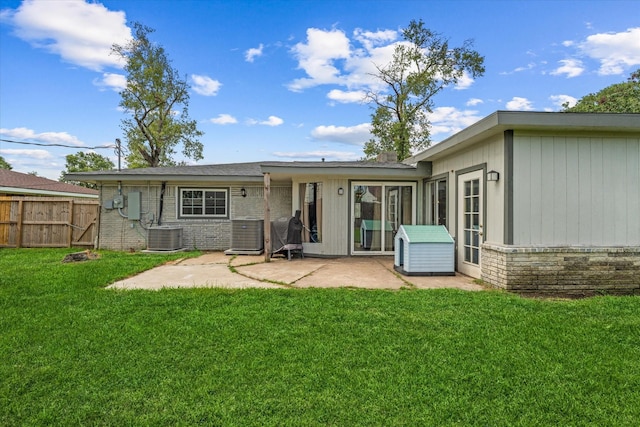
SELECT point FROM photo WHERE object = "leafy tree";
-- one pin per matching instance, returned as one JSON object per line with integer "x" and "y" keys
{"x": 422, "y": 66}
{"x": 618, "y": 98}
{"x": 4, "y": 164}
{"x": 84, "y": 162}
{"x": 153, "y": 93}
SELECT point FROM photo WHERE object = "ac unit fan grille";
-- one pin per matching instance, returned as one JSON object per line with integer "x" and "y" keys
{"x": 247, "y": 235}
{"x": 164, "y": 238}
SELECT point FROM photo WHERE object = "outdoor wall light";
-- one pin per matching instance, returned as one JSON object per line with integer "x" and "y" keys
{"x": 340, "y": 191}
{"x": 243, "y": 192}
{"x": 493, "y": 175}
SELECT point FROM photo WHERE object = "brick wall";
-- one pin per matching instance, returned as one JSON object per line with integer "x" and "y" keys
{"x": 119, "y": 233}
{"x": 567, "y": 270}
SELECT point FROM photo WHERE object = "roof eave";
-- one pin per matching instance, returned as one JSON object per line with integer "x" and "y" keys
{"x": 160, "y": 178}
{"x": 500, "y": 121}
{"x": 352, "y": 172}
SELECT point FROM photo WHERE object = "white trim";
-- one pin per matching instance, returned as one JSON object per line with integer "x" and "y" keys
{"x": 204, "y": 190}
{"x": 18, "y": 191}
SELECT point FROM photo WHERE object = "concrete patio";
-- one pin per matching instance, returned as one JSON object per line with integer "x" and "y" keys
{"x": 215, "y": 269}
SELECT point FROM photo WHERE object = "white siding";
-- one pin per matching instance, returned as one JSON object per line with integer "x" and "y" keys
{"x": 490, "y": 152}
{"x": 576, "y": 190}
{"x": 429, "y": 258}
{"x": 335, "y": 215}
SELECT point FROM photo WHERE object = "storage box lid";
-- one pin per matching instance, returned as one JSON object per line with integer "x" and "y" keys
{"x": 426, "y": 233}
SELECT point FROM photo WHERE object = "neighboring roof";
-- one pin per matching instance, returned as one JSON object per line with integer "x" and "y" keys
{"x": 21, "y": 183}
{"x": 501, "y": 121}
{"x": 250, "y": 171}
{"x": 427, "y": 234}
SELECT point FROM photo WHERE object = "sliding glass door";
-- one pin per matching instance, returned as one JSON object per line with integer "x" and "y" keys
{"x": 377, "y": 211}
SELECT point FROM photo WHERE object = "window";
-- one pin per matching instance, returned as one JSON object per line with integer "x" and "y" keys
{"x": 311, "y": 207}
{"x": 378, "y": 210}
{"x": 437, "y": 193}
{"x": 204, "y": 203}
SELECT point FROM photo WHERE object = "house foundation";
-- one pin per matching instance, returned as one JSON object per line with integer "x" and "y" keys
{"x": 572, "y": 271}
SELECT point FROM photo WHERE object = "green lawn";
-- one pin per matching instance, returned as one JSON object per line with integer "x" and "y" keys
{"x": 73, "y": 353}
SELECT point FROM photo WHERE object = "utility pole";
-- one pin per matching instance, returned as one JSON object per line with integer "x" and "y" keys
{"x": 118, "y": 151}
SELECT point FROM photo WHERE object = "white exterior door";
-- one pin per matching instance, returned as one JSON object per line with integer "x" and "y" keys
{"x": 470, "y": 223}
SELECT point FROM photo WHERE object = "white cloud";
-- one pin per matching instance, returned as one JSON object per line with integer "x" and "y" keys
{"x": 372, "y": 39}
{"x": 570, "y": 67}
{"x": 113, "y": 81}
{"x": 519, "y": 104}
{"x": 43, "y": 162}
{"x": 224, "y": 119}
{"x": 317, "y": 57}
{"x": 449, "y": 120}
{"x": 44, "y": 137}
{"x": 559, "y": 100}
{"x": 29, "y": 154}
{"x": 354, "y": 135}
{"x": 529, "y": 66}
{"x": 204, "y": 85}
{"x": 464, "y": 82}
{"x": 271, "y": 121}
{"x": 361, "y": 67}
{"x": 346, "y": 97}
{"x": 251, "y": 54}
{"x": 615, "y": 51}
{"x": 474, "y": 101}
{"x": 339, "y": 156}
{"x": 81, "y": 33}
{"x": 331, "y": 57}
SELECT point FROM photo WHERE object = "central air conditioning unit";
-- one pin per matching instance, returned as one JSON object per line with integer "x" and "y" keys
{"x": 164, "y": 238}
{"x": 247, "y": 235}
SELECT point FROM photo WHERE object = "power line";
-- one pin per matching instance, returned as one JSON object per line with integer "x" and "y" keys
{"x": 58, "y": 145}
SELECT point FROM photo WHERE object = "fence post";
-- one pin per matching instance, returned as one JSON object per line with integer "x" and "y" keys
{"x": 19, "y": 225}
{"x": 70, "y": 223}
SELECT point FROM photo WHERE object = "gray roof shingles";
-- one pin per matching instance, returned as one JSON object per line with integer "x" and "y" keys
{"x": 17, "y": 180}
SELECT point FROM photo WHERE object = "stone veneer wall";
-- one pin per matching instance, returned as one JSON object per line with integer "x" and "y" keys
{"x": 562, "y": 270}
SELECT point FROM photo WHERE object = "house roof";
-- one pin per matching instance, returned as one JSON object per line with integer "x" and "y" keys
{"x": 501, "y": 121}
{"x": 249, "y": 171}
{"x": 21, "y": 183}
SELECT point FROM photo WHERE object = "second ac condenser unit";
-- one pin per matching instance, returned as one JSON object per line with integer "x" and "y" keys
{"x": 247, "y": 234}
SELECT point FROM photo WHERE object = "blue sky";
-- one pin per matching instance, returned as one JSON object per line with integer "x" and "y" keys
{"x": 283, "y": 80}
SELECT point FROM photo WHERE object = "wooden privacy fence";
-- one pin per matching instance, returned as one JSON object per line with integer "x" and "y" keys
{"x": 47, "y": 222}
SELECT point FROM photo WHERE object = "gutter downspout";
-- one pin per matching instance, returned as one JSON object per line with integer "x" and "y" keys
{"x": 164, "y": 186}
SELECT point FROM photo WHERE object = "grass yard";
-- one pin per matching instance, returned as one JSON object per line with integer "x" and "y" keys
{"x": 73, "y": 353}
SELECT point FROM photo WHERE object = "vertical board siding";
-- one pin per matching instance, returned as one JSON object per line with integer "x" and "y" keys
{"x": 595, "y": 230}
{"x": 335, "y": 215}
{"x": 586, "y": 214}
{"x": 490, "y": 152}
{"x": 633, "y": 203}
{"x": 47, "y": 222}
{"x": 576, "y": 190}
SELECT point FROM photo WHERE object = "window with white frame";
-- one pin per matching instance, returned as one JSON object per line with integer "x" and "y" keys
{"x": 203, "y": 202}
{"x": 437, "y": 202}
